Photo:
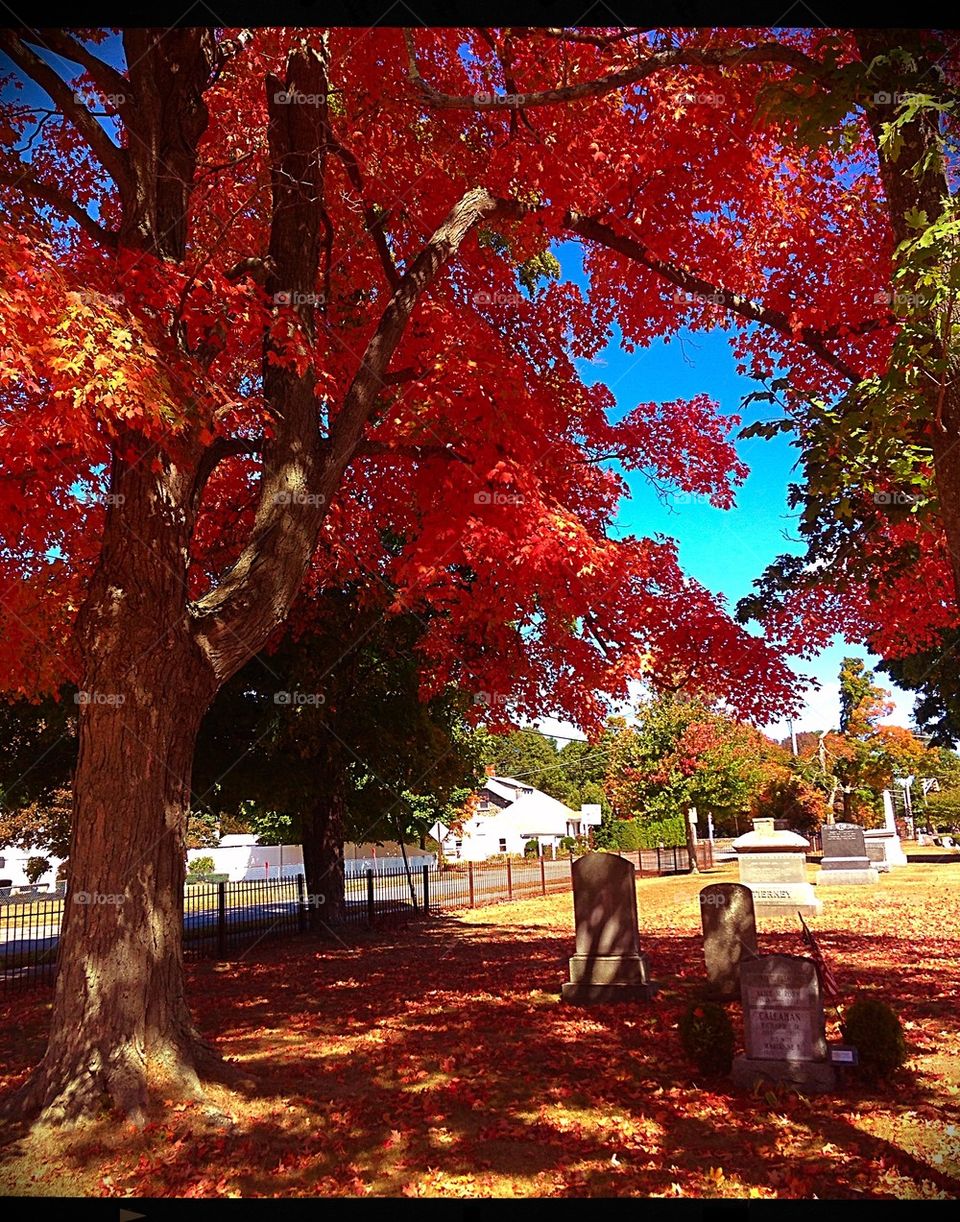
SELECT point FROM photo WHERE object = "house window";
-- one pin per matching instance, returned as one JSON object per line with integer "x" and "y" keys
{"x": 503, "y": 845}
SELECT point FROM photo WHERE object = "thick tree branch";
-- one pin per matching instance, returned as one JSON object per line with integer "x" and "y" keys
{"x": 674, "y": 57}
{"x": 32, "y": 187}
{"x": 301, "y": 472}
{"x": 107, "y": 78}
{"x": 112, "y": 158}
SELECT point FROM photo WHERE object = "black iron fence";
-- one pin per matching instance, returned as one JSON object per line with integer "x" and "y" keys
{"x": 221, "y": 917}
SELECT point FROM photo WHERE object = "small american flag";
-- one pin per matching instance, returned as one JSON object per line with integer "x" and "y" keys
{"x": 828, "y": 982}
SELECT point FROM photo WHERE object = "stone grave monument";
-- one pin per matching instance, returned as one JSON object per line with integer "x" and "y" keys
{"x": 773, "y": 865}
{"x": 783, "y": 1024}
{"x": 608, "y": 965}
{"x": 883, "y": 843}
{"x": 729, "y": 935}
{"x": 845, "y": 861}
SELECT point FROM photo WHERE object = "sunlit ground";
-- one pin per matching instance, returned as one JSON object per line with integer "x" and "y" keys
{"x": 440, "y": 1062}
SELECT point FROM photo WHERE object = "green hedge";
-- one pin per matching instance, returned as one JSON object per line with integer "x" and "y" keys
{"x": 632, "y": 834}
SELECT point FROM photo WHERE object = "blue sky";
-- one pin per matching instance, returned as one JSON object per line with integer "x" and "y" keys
{"x": 726, "y": 550}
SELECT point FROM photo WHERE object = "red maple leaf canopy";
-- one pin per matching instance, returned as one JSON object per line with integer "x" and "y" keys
{"x": 485, "y": 453}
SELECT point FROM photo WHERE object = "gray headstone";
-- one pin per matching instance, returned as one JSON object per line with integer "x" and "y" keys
{"x": 842, "y": 840}
{"x": 605, "y": 905}
{"x": 845, "y": 861}
{"x": 729, "y": 935}
{"x": 782, "y": 1009}
{"x": 783, "y": 1024}
{"x": 608, "y": 965}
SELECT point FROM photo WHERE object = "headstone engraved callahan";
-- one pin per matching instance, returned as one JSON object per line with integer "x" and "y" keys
{"x": 783, "y": 1024}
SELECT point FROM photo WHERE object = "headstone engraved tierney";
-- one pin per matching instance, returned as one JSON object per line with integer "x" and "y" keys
{"x": 729, "y": 935}
{"x": 608, "y": 965}
{"x": 783, "y": 1024}
{"x": 845, "y": 861}
{"x": 773, "y": 865}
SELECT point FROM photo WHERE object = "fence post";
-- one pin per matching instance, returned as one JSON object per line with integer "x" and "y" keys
{"x": 221, "y": 920}
{"x": 658, "y": 859}
{"x": 369, "y": 896}
{"x": 470, "y": 873}
{"x": 509, "y": 881}
{"x": 426, "y": 891}
{"x": 543, "y": 876}
{"x": 301, "y": 904}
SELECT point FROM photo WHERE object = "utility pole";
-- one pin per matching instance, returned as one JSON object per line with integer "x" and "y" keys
{"x": 793, "y": 738}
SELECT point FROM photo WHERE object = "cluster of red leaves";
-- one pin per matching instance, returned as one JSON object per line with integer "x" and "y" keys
{"x": 440, "y": 1062}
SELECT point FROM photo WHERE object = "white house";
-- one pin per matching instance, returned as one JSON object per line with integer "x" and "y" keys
{"x": 508, "y": 814}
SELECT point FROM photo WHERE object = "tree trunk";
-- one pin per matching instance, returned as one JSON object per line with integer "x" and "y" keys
{"x": 120, "y": 1025}
{"x": 323, "y": 824}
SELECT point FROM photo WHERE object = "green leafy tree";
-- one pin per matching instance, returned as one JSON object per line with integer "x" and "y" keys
{"x": 35, "y": 868}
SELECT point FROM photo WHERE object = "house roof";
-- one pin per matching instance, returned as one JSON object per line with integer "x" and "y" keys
{"x": 536, "y": 811}
{"x": 507, "y": 787}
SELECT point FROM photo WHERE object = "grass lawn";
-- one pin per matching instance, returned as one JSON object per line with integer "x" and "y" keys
{"x": 438, "y": 1061}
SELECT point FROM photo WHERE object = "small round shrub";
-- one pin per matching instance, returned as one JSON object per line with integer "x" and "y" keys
{"x": 706, "y": 1034}
{"x": 875, "y": 1031}
{"x": 201, "y": 865}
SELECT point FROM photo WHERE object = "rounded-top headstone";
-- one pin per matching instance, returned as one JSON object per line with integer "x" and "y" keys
{"x": 729, "y": 935}
{"x": 605, "y": 905}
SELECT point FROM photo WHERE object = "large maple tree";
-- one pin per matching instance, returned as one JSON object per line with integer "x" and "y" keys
{"x": 271, "y": 298}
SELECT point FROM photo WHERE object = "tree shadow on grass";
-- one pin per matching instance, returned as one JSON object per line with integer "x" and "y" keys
{"x": 408, "y": 1061}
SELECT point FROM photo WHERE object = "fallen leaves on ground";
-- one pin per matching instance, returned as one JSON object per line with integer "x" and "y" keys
{"x": 439, "y": 1061}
